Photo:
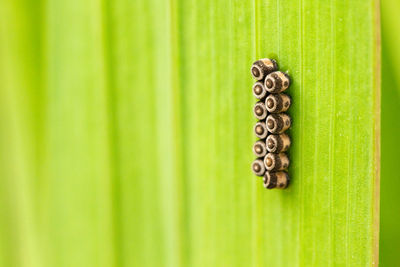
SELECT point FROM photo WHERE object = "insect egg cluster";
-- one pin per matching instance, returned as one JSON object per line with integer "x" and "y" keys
{"x": 272, "y": 161}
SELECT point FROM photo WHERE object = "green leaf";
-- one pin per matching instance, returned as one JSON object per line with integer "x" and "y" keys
{"x": 126, "y": 133}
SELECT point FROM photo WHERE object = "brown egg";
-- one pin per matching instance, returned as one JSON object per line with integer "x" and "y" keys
{"x": 276, "y": 161}
{"x": 278, "y": 180}
{"x": 278, "y": 123}
{"x": 277, "y": 103}
{"x": 258, "y": 167}
{"x": 262, "y": 68}
{"x": 276, "y": 82}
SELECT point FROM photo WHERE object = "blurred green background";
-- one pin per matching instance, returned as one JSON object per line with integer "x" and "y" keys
{"x": 390, "y": 138}
{"x": 71, "y": 132}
